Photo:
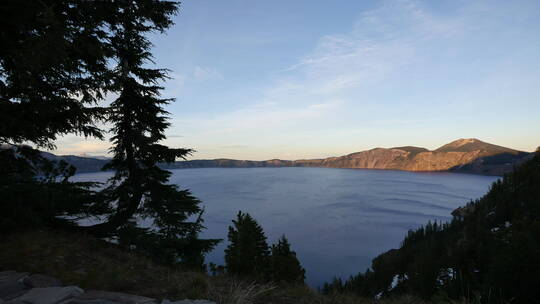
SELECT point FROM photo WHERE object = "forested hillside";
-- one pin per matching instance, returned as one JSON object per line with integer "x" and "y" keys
{"x": 490, "y": 251}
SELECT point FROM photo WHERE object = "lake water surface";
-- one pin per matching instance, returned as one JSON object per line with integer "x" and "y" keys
{"x": 337, "y": 220}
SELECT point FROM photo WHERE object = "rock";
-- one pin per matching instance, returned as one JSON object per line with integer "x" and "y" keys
{"x": 99, "y": 301}
{"x": 49, "y": 295}
{"x": 11, "y": 276}
{"x": 186, "y": 301}
{"x": 39, "y": 280}
{"x": 10, "y": 285}
{"x": 12, "y": 289}
{"x": 98, "y": 296}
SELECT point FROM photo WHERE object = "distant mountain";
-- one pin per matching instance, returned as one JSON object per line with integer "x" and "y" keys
{"x": 473, "y": 144}
{"x": 82, "y": 163}
{"x": 463, "y": 155}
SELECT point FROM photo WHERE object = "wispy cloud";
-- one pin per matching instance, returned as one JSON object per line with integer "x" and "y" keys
{"x": 205, "y": 73}
{"x": 262, "y": 117}
{"x": 176, "y": 80}
{"x": 382, "y": 43}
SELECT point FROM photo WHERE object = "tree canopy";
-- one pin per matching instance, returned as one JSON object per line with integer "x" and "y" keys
{"x": 284, "y": 265}
{"x": 58, "y": 61}
{"x": 248, "y": 252}
{"x": 53, "y": 69}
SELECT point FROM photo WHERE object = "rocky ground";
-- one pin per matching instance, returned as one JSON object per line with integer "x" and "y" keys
{"x": 25, "y": 288}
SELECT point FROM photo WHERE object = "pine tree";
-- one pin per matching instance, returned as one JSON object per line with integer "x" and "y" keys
{"x": 55, "y": 66}
{"x": 53, "y": 72}
{"x": 247, "y": 253}
{"x": 53, "y": 69}
{"x": 139, "y": 187}
{"x": 284, "y": 265}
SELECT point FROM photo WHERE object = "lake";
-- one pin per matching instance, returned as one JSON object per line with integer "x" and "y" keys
{"x": 337, "y": 220}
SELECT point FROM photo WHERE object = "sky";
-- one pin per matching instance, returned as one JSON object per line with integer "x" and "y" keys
{"x": 308, "y": 79}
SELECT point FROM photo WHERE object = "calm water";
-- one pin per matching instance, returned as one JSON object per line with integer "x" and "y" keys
{"x": 337, "y": 220}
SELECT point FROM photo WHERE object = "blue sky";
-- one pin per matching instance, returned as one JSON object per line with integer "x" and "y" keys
{"x": 306, "y": 79}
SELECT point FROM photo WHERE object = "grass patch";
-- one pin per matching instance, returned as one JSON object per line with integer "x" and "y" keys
{"x": 95, "y": 264}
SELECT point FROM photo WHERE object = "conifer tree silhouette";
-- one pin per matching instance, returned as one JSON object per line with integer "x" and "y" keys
{"x": 139, "y": 187}
{"x": 247, "y": 253}
{"x": 284, "y": 265}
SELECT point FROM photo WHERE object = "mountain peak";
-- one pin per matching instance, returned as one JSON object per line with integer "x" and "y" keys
{"x": 474, "y": 144}
{"x": 464, "y": 141}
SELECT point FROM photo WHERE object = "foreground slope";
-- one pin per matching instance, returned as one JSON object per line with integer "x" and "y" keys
{"x": 92, "y": 264}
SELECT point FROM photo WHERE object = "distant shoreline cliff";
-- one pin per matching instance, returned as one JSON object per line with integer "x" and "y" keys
{"x": 463, "y": 155}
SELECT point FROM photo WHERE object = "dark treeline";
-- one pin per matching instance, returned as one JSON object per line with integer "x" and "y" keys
{"x": 489, "y": 252}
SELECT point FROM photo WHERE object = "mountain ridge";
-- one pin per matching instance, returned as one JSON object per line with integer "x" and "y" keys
{"x": 468, "y": 155}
